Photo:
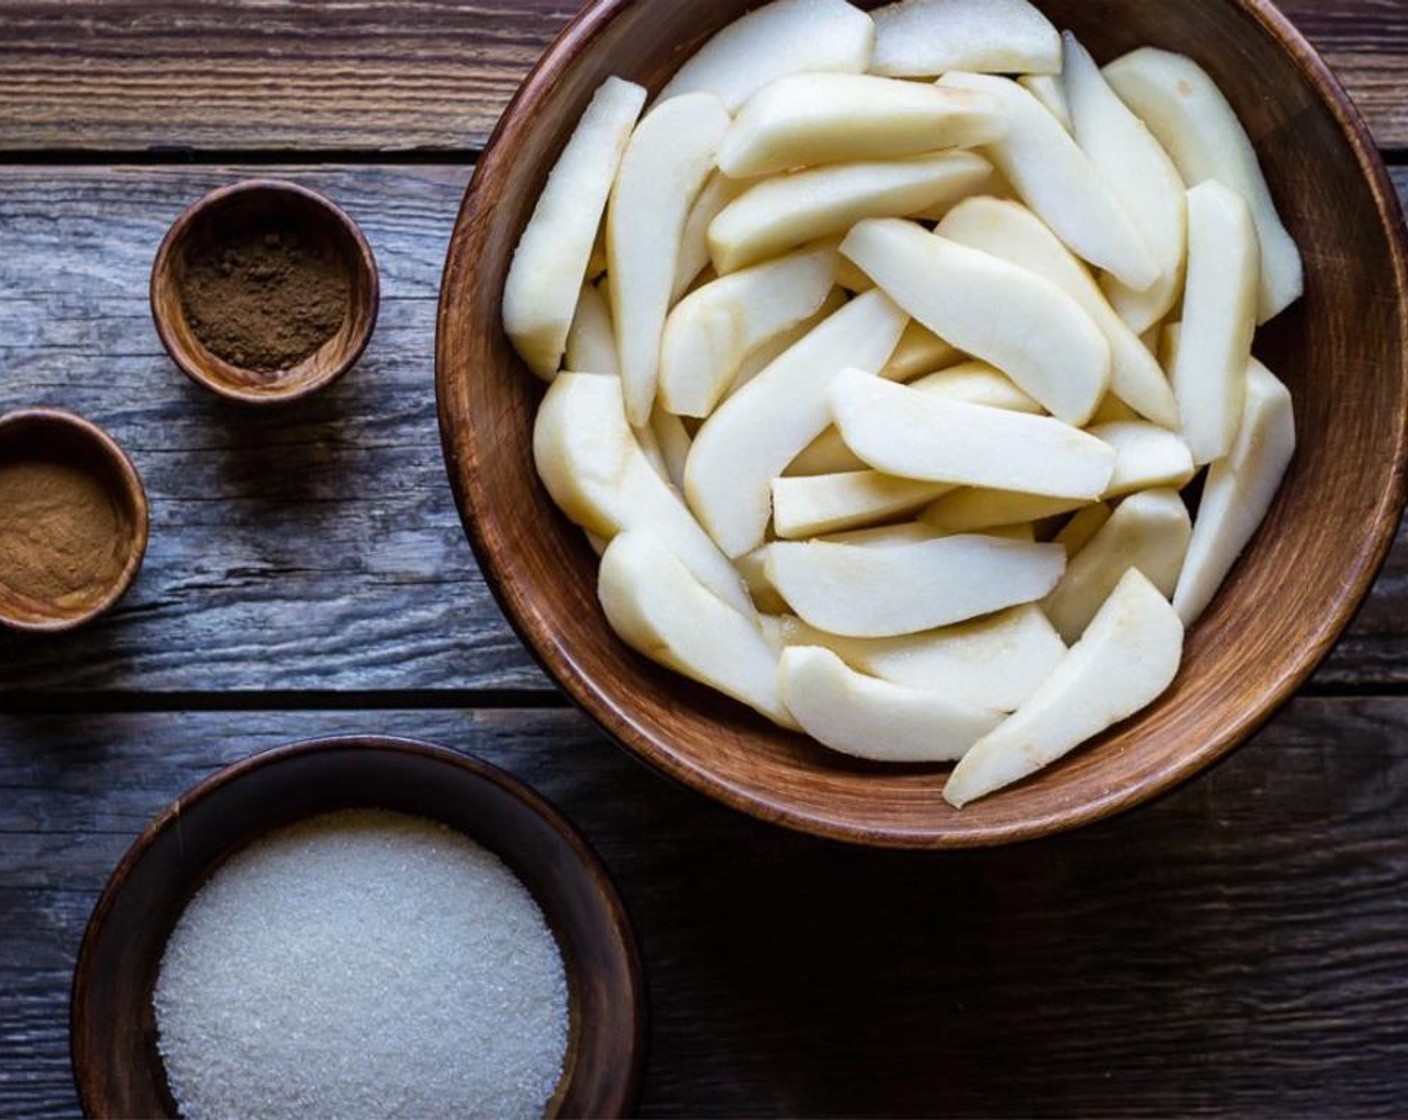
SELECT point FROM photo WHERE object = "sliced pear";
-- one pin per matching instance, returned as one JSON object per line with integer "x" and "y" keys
{"x": 1150, "y": 532}
{"x": 1147, "y": 458}
{"x": 664, "y": 168}
{"x": 882, "y": 592}
{"x": 674, "y": 442}
{"x": 912, "y": 434}
{"x": 650, "y": 446}
{"x": 545, "y": 278}
{"x": 1127, "y": 659}
{"x": 1056, "y": 179}
{"x": 752, "y": 567}
{"x": 1047, "y": 89}
{"x": 1143, "y": 179}
{"x": 598, "y": 475}
{"x": 1200, "y": 130}
{"x": 869, "y": 718}
{"x": 764, "y": 355}
{"x": 909, "y": 532}
{"x": 811, "y": 119}
{"x": 1219, "y": 320}
{"x": 778, "y": 39}
{"x": 1239, "y": 492}
{"x": 764, "y": 425}
{"x": 658, "y": 608}
{"x": 994, "y": 662}
{"x": 920, "y": 352}
{"x": 926, "y": 38}
{"x": 832, "y": 503}
{"x": 1043, "y": 340}
{"x": 975, "y": 510}
{"x": 1081, "y": 529}
{"x": 778, "y": 215}
{"x": 591, "y": 343}
{"x": 710, "y": 332}
{"x": 719, "y": 190}
{"x": 1012, "y": 232}
{"x": 977, "y": 383}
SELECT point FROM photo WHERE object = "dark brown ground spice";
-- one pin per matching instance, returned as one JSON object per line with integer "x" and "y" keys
{"x": 268, "y": 296}
{"x": 62, "y": 533}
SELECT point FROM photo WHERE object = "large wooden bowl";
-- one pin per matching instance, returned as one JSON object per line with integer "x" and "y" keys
{"x": 112, "y": 1026}
{"x": 1342, "y": 351}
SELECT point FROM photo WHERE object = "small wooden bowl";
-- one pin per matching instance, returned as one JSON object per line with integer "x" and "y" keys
{"x": 1343, "y": 351}
{"x": 243, "y": 204}
{"x": 112, "y": 1025}
{"x": 51, "y": 435}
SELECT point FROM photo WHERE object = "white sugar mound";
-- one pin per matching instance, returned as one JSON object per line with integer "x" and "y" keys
{"x": 362, "y": 964}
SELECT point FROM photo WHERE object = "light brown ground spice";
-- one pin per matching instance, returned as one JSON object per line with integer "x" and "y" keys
{"x": 266, "y": 297}
{"x": 62, "y": 533}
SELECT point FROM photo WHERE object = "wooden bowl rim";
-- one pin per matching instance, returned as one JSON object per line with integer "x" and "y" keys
{"x": 134, "y": 494}
{"x": 588, "y": 866}
{"x": 460, "y": 453}
{"x": 194, "y": 365}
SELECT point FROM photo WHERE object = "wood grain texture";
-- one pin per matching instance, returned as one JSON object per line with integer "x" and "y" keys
{"x": 1315, "y": 559}
{"x": 317, "y": 549}
{"x": 1234, "y": 950}
{"x": 395, "y": 75}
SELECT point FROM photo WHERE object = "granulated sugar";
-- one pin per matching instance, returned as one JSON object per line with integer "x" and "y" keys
{"x": 362, "y": 964}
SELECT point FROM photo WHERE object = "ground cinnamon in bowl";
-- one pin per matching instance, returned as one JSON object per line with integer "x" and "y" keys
{"x": 72, "y": 521}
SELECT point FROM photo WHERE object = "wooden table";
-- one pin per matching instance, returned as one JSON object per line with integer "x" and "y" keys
{"x": 1239, "y": 948}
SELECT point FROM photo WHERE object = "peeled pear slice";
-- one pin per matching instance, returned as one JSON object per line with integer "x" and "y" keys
{"x": 1082, "y": 528}
{"x": 719, "y": 190}
{"x": 869, "y": 718}
{"x": 975, "y": 510}
{"x": 664, "y": 168}
{"x": 1047, "y": 89}
{"x": 882, "y": 592}
{"x": 1057, "y": 180}
{"x": 810, "y": 119}
{"x": 673, "y": 442}
{"x": 1147, "y": 458}
{"x": 1149, "y": 531}
{"x": 591, "y": 343}
{"x": 1143, "y": 178}
{"x": 763, "y": 356}
{"x": 1239, "y": 493}
{"x": 712, "y": 330}
{"x": 598, "y": 475}
{"x": 777, "y": 215}
{"x": 1012, "y": 232}
{"x": 909, "y": 532}
{"x": 926, "y": 38}
{"x": 761, "y": 428}
{"x": 977, "y": 383}
{"x": 920, "y": 352}
{"x": 1042, "y": 339}
{"x": 832, "y": 503}
{"x": 912, "y": 434}
{"x": 752, "y": 567}
{"x": 661, "y": 610}
{"x": 545, "y": 278}
{"x": 1209, "y": 370}
{"x": 994, "y": 662}
{"x": 1127, "y": 659}
{"x": 778, "y": 39}
{"x": 1200, "y": 130}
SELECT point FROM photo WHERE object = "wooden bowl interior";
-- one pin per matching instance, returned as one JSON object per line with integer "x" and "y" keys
{"x": 47, "y": 436}
{"x": 116, "y": 1064}
{"x": 217, "y": 217}
{"x": 1342, "y": 351}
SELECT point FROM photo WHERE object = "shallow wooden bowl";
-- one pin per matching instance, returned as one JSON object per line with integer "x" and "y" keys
{"x": 52, "y": 435}
{"x": 215, "y": 215}
{"x": 1342, "y": 351}
{"x": 112, "y": 1028}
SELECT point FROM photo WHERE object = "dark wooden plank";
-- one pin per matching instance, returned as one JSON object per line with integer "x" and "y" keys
{"x": 130, "y": 74}
{"x": 310, "y": 547}
{"x": 1236, "y": 949}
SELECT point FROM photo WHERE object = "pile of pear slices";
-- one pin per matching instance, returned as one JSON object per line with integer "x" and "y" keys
{"x": 877, "y": 395}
